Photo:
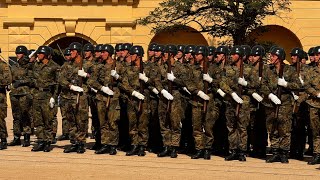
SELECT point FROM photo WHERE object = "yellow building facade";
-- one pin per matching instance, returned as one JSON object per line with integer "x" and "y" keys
{"x": 44, "y": 22}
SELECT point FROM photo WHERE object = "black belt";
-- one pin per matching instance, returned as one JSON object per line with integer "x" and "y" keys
{"x": 43, "y": 89}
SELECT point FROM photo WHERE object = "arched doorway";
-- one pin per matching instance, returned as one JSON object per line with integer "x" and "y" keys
{"x": 185, "y": 36}
{"x": 277, "y": 35}
{"x": 63, "y": 43}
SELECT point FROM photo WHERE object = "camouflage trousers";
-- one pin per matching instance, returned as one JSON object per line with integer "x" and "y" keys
{"x": 170, "y": 124}
{"x": 77, "y": 116}
{"x": 138, "y": 122}
{"x": 95, "y": 125}
{"x": 237, "y": 126}
{"x": 3, "y": 115}
{"x": 22, "y": 112}
{"x": 43, "y": 119}
{"x": 65, "y": 122}
{"x": 108, "y": 119}
{"x": 315, "y": 126}
{"x": 203, "y": 123}
{"x": 279, "y": 129}
{"x": 55, "y": 119}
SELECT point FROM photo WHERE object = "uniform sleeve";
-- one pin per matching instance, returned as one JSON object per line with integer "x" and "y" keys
{"x": 93, "y": 81}
{"x": 63, "y": 81}
{"x": 6, "y": 77}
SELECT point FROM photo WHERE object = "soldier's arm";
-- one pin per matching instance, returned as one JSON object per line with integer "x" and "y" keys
{"x": 63, "y": 81}
{"x": 93, "y": 81}
{"x": 294, "y": 82}
{"x": 6, "y": 78}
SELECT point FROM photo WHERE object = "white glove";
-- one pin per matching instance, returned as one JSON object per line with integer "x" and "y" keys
{"x": 206, "y": 77}
{"x": 143, "y": 77}
{"x": 260, "y": 78}
{"x": 170, "y": 76}
{"x": 242, "y": 82}
{"x": 295, "y": 97}
{"x": 166, "y": 94}
{"x": 274, "y": 99}
{"x": 318, "y": 96}
{"x": 138, "y": 95}
{"x": 155, "y": 90}
{"x": 82, "y": 73}
{"x": 222, "y": 94}
{"x": 236, "y": 98}
{"x": 203, "y": 95}
{"x": 282, "y": 82}
{"x": 186, "y": 90}
{"x": 301, "y": 80}
{"x": 257, "y": 97}
{"x": 51, "y": 102}
{"x": 76, "y": 88}
{"x": 115, "y": 74}
{"x": 107, "y": 90}
{"x": 94, "y": 90}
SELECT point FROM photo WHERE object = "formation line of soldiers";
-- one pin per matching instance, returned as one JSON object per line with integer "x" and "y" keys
{"x": 254, "y": 92}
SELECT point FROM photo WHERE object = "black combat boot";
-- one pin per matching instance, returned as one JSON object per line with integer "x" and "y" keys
{"x": 81, "y": 149}
{"x": 141, "y": 151}
{"x": 26, "y": 141}
{"x": 54, "y": 136}
{"x": 113, "y": 150}
{"x": 3, "y": 144}
{"x": 275, "y": 156}
{"x": 133, "y": 151}
{"x": 207, "y": 154}
{"x": 198, "y": 154}
{"x": 233, "y": 155}
{"x": 97, "y": 145}
{"x": 284, "y": 156}
{"x": 16, "y": 141}
{"x": 242, "y": 156}
{"x": 47, "y": 147}
{"x": 165, "y": 152}
{"x": 315, "y": 160}
{"x": 173, "y": 153}
{"x": 63, "y": 137}
{"x": 39, "y": 147}
{"x": 103, "y": 150}
{"x": 72, "y": 148}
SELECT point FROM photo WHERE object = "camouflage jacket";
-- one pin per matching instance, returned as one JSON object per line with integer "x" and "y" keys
{"x": 88, "y": 67}
{"x": 5, "y": 76}
{"x": 312, "y": 85}
{"x": 45, "y": 77}
{"x": 21, "y": 77}
{"x": 101, "y": 76}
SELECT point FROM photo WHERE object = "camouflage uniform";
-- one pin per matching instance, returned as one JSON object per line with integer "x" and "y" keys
{"x": 108, "y": 116}
{"x": 5, "y": 80}
{"x": 46, "y": 86}
{"x": 237, "y": 127}
{"x": 21, "y": 97}
{"x": 76, "y": 113}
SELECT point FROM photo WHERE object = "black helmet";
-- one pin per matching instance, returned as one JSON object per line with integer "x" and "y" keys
{"x": 67, "y": 52}
{"x": 44, "y": 50}
{"x": 222, "y": 50}
{"x": 75, "y": 46}
{"x": 181, "y": 48}
{"x": 189, "y": 49}
{"x": 237, "y": 50}
{"x": 88, "y": 47}
{"x": 152, "y": 47}
{"x": 138, "y": 50}
{"x": 160, "y": 47}
{"x": 108, "y": 48}
{"x": 118, "y": 47}
{"x": 297, "y": 52}
{"x": 316, "y": 50}
{"x": 126, "y": 46}
{"x": 272, "y": 47}
{"x": 311, "y": 51}
{"x": 246, "y": 50}
{"x": 305, "y": 55}
{"x": 257, "y": 51}
{"x": 98, "y": 48}
{"x": 279, "y": 52}
{"x": 201, "y": 50}
{"x": 22, "y": 50}
{"x": 171, "y": 49}
{"x": 211, "y": 50}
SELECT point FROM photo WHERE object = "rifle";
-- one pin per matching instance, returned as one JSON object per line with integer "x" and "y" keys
{"x": 279, "y": 91}
{"x": 169, "y": 83}
{"x": 141, "y": 85}
{"x": 295, "y": 104}
{"x": 61, "y": 52}
{"x": 80, "y": 82}
{"x": 239, "y": 87}
{"x": 113, "y": 67}
{"x": 260, "y": 74}
{"x": 205, "y": 89}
